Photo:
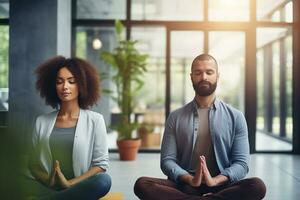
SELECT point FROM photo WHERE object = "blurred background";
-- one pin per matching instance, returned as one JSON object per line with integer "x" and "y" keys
{"x": 256, "y": 43}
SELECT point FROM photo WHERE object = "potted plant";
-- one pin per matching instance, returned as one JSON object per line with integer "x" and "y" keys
{"x": 129, "y": 65}
{"x": 149, "y": 137}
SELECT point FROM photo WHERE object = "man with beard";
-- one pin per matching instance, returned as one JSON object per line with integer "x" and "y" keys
{"x": 205, "y": 148}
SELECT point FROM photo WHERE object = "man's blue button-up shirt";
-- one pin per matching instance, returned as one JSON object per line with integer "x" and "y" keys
{"x": 228, "y": 129}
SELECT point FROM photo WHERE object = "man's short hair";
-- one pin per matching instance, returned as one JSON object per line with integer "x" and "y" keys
{"x": 203, "y": 57}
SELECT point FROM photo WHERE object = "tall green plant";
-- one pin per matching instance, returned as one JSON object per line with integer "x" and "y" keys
{"x": 130, "y": 66}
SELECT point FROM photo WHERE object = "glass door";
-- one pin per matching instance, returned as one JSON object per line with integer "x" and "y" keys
{"x": 274, "y": 89}
{"x": 228, "y": 47}
{"x": 185, "y": 46}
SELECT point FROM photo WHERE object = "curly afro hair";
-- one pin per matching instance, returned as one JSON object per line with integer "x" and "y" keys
{"x": 86, "y": 76}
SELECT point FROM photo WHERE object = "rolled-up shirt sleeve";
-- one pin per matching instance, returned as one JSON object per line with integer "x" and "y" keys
{"x": 168, "y": 161}
{"x": 240, "y": 155}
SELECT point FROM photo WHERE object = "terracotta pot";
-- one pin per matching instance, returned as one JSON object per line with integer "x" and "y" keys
{"x": 128, "y": 148}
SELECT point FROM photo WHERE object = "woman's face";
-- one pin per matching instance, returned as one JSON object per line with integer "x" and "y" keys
{"x": 66, "y": 85}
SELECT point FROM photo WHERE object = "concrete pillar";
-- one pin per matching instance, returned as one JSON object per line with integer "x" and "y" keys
{"x": 39, "y": 30}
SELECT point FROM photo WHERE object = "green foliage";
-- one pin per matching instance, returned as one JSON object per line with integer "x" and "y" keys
{"x": 81, "y": 38}
{"x": 3, "y": 56}
{"x": 130, "y": 66}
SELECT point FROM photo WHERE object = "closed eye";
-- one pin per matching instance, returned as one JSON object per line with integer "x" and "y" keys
{"x": 210, "y": 72}
{"x": 71, "y": 80}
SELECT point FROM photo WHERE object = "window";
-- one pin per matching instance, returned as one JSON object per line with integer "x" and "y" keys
{"x": 4, "y": 46}
{"x": 3, "y": 68}
{"x": 4, "y": 36}
{"x": 171, "y": 10}
{"x": 150, "y": 105}
{"x": 182, "y": 54}
{"x": 86, "y": 48}
{"x": 103, "y": 9}
{"x": 174, "y": 32}
{"x": 274, "y": 10}
{"x": 4, "y": 10}
{"x": 231, "y": 65}
{"x": 228, "y": 10}
{"x": 274, "y": 83}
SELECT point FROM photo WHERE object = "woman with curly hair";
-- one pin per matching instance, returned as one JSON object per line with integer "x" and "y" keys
{"x": 70, "y": 152}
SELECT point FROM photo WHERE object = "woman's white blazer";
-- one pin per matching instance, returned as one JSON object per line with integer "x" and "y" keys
{"x": 90, "y": 142}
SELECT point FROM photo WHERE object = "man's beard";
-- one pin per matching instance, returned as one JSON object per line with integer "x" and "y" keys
{"x": 204, "y": 88}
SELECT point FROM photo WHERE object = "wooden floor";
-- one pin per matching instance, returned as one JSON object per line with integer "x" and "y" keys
{"x": 280, "y": 172}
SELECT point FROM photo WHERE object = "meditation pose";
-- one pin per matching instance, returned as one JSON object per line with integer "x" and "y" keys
{"x": 70, "y": 152}
{"x": 205, "y": 148}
